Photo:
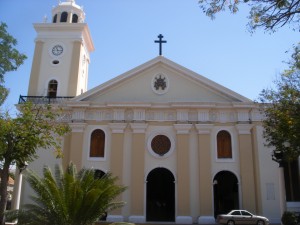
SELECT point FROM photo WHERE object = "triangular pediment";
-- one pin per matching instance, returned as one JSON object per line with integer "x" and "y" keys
{"x": 160, "y": 81}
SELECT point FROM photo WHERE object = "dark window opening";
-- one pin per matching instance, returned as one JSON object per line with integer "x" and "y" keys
{"x": 97, "y": 143}
{"x": 55, "y": 18}
{"x": 52, "y": 88}
{"x": 292, "y": 180}
{"x": 64, "y": 17}
{"x": 74, "y": 18}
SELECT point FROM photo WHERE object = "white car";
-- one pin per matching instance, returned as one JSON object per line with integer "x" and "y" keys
{"x": 241, "y": 217}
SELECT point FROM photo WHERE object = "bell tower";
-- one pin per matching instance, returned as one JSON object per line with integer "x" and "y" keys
{"x": 62, "y": 53}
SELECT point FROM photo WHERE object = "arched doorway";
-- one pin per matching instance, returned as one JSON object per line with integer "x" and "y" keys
{"x": 226, "y": 192}
{"x": 160, "y": 202}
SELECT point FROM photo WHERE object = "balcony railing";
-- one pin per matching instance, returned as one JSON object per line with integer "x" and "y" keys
{"x": 44, "y": 99}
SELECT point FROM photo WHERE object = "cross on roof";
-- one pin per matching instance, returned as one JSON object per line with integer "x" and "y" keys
{"x": 160, "y": 41}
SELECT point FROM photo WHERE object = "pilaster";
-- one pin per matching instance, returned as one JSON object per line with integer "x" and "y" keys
{"x": 35, "y": 69}
{"x": 117, "y": 156}
{"x": 137, "y": 169}
{"x": 247, "y": 167}
{"x": 183, "y": 173}
{"x": 205, "y": 174}
{"x": 74, "y": 71}
{"x": 76, "y": 143}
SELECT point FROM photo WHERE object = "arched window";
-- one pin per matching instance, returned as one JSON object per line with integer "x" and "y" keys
{"x": 97, "y": 143}
{"x": 224, "y": 144}
{"x": 64, "y": 17}
{"x": 74, "y": 18}
{"x": 52, "y": 88}
{"x": 55, "y": 18}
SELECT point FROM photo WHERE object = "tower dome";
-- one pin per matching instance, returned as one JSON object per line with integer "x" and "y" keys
{"x": 68, "y": 12}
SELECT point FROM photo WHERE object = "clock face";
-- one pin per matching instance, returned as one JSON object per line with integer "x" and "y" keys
{"x": 57, "y": 50}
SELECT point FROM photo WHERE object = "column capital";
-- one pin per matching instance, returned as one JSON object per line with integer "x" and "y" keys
{"x": 117, "y": 128}
{"x": 138, "y": 128}
{"x": 77, "y": 127}
{"x": 183, "y": 128}
{"x": 204, "y": 128}
{"x": 244, "y": 128}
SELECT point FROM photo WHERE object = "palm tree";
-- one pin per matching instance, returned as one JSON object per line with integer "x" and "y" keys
{"x": 70, "y": 198}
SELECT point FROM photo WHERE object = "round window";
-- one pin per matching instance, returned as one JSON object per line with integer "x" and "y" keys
{"x": 161, "y": 144}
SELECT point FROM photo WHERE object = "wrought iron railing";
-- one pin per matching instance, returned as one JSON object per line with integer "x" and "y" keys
{"x": 44, "y": 99}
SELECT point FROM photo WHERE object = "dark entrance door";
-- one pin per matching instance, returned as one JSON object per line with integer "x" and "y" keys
{"x": 226, "y": 193}
{"x": 160, "y": 204}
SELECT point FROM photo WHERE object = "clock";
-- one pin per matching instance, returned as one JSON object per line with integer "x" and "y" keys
{"x": 57, "y": 50}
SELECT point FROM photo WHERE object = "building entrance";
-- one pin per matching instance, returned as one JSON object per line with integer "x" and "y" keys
{"x": 160, "y": 200}
{"x": 226, "y": 192}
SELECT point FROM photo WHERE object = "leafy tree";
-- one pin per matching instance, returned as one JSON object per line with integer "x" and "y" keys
{"x": 35, "y": 126}
{"x": 281, "y": 106}
{"x": 270, "y": 14}
{"x": 10, "y": 58}
{"x": 70, "y": 198}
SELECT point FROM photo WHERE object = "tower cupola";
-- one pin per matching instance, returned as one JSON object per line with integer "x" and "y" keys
{"x": 68, "y": 12}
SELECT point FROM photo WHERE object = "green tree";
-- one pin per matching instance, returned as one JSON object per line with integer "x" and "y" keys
{"x": 10, "y": 58}
{"x": 281, "y": 106}
{"x": 269, "y": 14}
{"x": 70, "y": 198}
{"x": 36, "y": 126}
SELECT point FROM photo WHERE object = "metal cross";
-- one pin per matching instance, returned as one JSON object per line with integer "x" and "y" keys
{"x": 160, "y": 41}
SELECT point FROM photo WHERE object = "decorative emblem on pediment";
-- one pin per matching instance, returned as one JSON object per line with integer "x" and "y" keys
{"x": 160, "y": 83}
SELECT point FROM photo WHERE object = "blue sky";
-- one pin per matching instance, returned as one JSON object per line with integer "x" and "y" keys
{"x": 124, "y": 31}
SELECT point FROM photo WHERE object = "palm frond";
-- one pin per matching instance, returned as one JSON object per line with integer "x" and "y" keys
{"x": 70, "y": 198}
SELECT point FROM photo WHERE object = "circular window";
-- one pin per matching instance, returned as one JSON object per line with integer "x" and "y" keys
{"x": 161, "y": 144}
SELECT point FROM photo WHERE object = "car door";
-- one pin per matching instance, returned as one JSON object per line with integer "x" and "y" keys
{"x": 237, "y": 217}
{"x": 247, "y": 217}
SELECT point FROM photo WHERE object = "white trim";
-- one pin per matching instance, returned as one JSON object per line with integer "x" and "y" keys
{"x": 244, "y": 128}
{"x": 137, "y": 219}
{"x": 184, "y": 220}
{"x": 115, "y": 218}
{"x": 59, "y": 83}
{"x": 105, "y": 144}
{"x": 182, "y": 128}
{"x": 233, "y": 149}
{"x": 138, "y": 128}
{"x": 77, "y": 127}
{"x": 197, "y": 78}
{"x": 206, "y": 220}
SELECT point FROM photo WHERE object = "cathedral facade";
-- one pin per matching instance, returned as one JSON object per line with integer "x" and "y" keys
{"x": 186, "y": 147}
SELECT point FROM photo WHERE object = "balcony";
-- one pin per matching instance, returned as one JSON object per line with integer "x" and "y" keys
{"x": 44, "y": 99}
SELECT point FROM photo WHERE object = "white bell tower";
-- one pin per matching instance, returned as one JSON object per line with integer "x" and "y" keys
{"x": 62, "y": 53}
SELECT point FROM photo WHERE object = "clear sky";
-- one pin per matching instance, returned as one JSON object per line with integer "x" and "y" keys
{"x": 124, "y": 31}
